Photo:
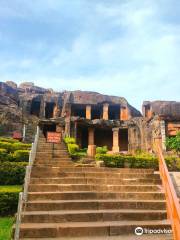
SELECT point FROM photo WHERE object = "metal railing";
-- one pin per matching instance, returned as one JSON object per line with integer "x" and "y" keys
{"x": 23, "y": 195}
{"x": 173, "y": 207}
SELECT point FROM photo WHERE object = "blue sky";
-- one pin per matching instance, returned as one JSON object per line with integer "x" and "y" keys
{"x": 129, "y": 48}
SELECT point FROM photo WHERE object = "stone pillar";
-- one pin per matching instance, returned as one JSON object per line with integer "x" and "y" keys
{"x": 124, "y": 114}
{"x": 91, "y": 147}
{"x": 106, "y": 111}
{"x": 88, "y": 111}
{"x": 115, "y": 148}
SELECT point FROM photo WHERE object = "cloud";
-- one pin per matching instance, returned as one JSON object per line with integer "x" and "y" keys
{"x": 127, "y": 48}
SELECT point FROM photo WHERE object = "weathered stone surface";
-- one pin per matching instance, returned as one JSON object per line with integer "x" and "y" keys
{"x": 167, "y": 109}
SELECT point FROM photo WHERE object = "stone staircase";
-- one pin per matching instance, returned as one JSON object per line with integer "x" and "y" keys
{"x": 70, "y": 202}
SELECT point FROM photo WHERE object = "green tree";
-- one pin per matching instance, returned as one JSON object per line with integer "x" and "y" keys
{"x": 173, "y": 143}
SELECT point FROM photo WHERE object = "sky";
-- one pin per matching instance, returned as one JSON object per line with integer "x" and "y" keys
{"x": 128, "y": 48}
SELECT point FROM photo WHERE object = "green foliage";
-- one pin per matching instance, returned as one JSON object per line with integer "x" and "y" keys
{"x": 9, "y": 199}
{"x": 6, "y": 224}
{"x": 3, "y": 154}
{"x": 69, "y": 140}
{"x": 173, "y": 143}
{"x": 20, "y": 156}
{"x": 173, "y": 163}
{"x": 72, "y": 148}
{"x": 12, "y": 147}
{"x": 12, "y": 173}
{"x": 131, "y": 161}
{"x": 101, "y": 150}
{"x": 9, "y": 140}
{"x": 111, "y": 160}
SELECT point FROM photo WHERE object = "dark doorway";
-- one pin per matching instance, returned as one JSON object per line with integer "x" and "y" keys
{"x": 104, "y": 137}
{"x": 49, "y": 109}
{"x": 49, "y": 128}
{"x": 96, "y": 112}
{"x": 123, "y": 139}
{"x": 35, "y": 107}
{"x": 78, "y": 111}
{"x": 82, "y": 136}
{"x": 114, "y": 112}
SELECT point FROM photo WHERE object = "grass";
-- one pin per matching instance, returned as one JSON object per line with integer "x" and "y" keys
{"x": 10, "y": 188}
{"x": 6, "y": 227}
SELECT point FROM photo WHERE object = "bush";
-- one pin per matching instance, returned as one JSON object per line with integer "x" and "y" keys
{"x": 3, "y": 154}
{"x": 101, "y": 150}
{"x": 173, "y": 143}
{"x": 12, "y": 173}
{"x": 72, "y": 148}
{"x": 9, "y": 140}
{"x": 173, "y": 163}
{"x": 111, "y": 160}
{"x": 12, "y": 147}
{"x": 131, "y": 161}
{"x": 69, "y": 140}
{"x": 20, "y": 156}
{"x": 9, "y": 200}
{"x": 78, "y": 155}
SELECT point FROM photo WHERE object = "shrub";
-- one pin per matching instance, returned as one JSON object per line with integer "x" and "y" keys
{"x": 12, "y": 173}
{"x": 173, "y": 163}
{"x": 131, "y": 161}
{"x": 9, "y": 140}
{"x": 173, "y": 143}
{"x": 111, "y": 160}
{"x": 12, "y": 147}
{"x": 78, "y": 155}
{"x": 20, "y": 156}
{"x": 3, "y": 154}
{"x": 101, "y": 150}
{"x": 72, "y": 148}
{"x": 8, "y": 201}
{"x": 69, "y": 140}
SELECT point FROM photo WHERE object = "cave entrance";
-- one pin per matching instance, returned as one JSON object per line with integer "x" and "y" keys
{"x": 49, "y": 128}
{"x": 49, "y": 109}
{"x": 114, "y": 112}
{"x": 96, "y": 112}
{"x": 78, "y": 110}
{"x": 103, "y": 137}
{"x": 82, "y": 136}
{"x": 35, "y": 108}
{"x": 123, "y": 139}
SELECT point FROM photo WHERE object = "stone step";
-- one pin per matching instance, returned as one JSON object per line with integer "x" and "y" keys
{"x": 49, "y": 154}
{"x": 94, "y": 204}
{"x": 81, "y": 180}
{"x": 54, "y": 159}
{"x": 92, "y": 187}
{"x": 96, "y": 169}
{"x": 93, "y": 215}
{"x": 61, "y": 164}
{"x": 128, "y": 237}
{"x": 56, "y": 172}
{"x": 95, "y": 195}
{"x": 69, "y": 229}
{"x": 56, "y": 152}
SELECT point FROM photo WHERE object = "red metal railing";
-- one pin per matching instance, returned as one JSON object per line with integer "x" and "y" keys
{"x": 173, "y": 207}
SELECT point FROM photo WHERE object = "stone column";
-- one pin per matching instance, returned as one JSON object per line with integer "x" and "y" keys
{"x": 124, "y": 114}
{"x": 106, "y": 111}
{"x": 115, "y": 148}
{"x": 88, "y": 111}
{"x": 91, "y": 147}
